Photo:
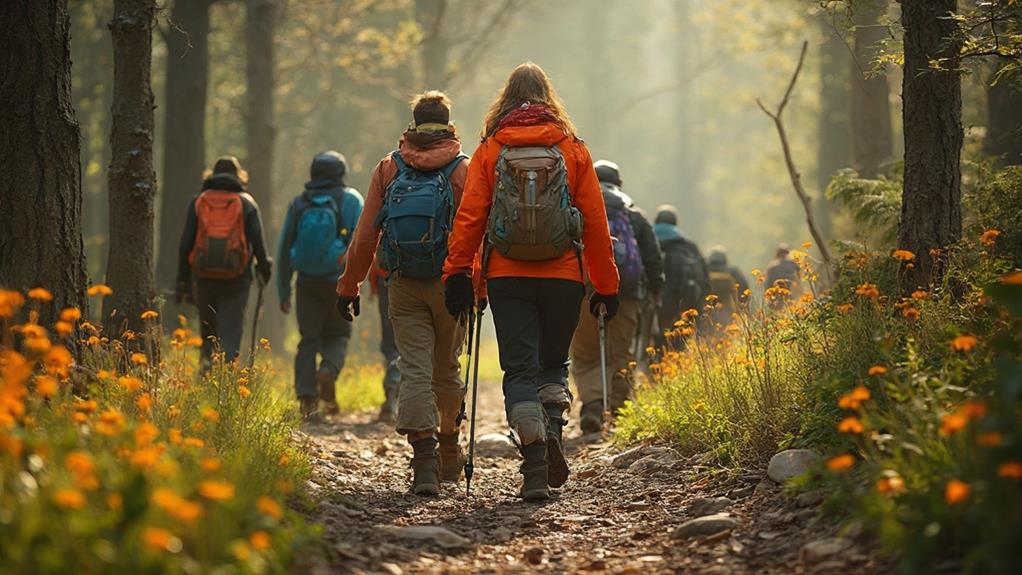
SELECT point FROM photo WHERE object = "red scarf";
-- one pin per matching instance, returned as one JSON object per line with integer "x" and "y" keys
{"x": 528, "y": 114}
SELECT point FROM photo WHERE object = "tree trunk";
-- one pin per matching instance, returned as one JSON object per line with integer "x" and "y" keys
{"x": 834, "y": 129}
{"x": 429, "y": 14}
{"x": 132, "y": 180}
{"x": 40, "y": 177}
{"x": 1004, "y": 129}
{"x": 931, "y": 214}
{"x": 184, "y": 140}
{"x": 260, "y": 131}
{"x": 872, "y": 138}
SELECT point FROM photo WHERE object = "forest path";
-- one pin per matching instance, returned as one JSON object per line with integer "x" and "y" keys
{"x": 619, "y": 512}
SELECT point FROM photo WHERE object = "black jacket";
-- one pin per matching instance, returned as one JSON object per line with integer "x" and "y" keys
{"x": 649, "y": 248}
{"x": 253, "y": 229}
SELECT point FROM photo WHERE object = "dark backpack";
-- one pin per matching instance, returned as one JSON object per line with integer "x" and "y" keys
{"x": 685, "y": 277}
{"x": 417, "y": 216}
{"x": 221, "y": 248}
{"x": 626, "y": 249}
{"x": 532, "y": 217}
{"x": 320, "y": 237}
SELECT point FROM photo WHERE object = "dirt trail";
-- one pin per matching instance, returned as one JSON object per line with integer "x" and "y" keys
{"x": 614, "y": 515}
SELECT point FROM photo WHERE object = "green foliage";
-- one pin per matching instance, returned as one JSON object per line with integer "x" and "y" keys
{"x": 996, "y": 203}
{"x": 875, "y": 205}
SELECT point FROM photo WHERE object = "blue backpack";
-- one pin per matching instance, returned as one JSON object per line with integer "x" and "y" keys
{"x": 626, "y": 248}
{"x": 417, "y": 216}
{"x": 319, "y": 242}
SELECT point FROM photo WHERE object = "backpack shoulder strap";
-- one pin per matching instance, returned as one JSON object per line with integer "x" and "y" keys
{"x": 402, "y": 166}
{"x": 453, "y": 165}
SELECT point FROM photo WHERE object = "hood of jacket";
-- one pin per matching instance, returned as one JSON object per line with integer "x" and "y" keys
{"x": 614, "y": 198}
{"x": 667, "y": 232}
{"x": 538, "y": 135}
{"x": 327, "y": 171}
{"x": 431, "y": 156}
{"x": 225, "y": 182}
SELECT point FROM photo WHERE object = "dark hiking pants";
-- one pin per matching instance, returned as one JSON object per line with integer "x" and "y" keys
{"x": 535, "y": 319}
{"x": 392, "y": 377}
{"x": 221, "y": 316}
{"x": 324, "y": 335}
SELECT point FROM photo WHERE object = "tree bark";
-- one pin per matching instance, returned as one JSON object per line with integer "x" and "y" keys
{"x": 260, "y": 131}
{"x": 1004, "y": 129}
{"x": 429, "y": 14}
{"x": 834, "y": 128}
{"x": 184, "y": 140}
{"x": 872, "y": 137}
{"x": 132, "y": 180}
{"x": 931, "y": 214}
{"x": 40, "y": 176}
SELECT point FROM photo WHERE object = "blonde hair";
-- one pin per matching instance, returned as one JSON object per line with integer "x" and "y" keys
{"x": 528, "y": 83}
{"x": 228, "y": 165}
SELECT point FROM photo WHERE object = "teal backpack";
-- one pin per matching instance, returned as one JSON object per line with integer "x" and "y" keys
{"x": 319, "y": 243}
{"x": 417, "y": 216}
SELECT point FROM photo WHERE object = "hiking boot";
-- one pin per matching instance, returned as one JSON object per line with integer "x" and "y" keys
{"x": 388, "y": 411}
{"x": 309, "y": 409}
{"x": 325, "y": 380}
{"x": 452, "y": 460}
{"x": 425, "y": 467}
{"x": 534, "y": 472}
{"x": 558, "y": 471}
{"x": 591, "y": 419}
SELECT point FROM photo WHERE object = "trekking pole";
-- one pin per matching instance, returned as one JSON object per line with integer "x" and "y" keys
{"x": 601, "y": 322}
{"x": 468, "y": 367}
{"x": 470, "y": 463}
{"x": 255, "y": 323}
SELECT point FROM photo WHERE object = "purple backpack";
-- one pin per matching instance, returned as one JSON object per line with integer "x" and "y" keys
{"x": 626, "y": 248}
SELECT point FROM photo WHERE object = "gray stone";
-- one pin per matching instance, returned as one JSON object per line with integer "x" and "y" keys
{"x": 823, "y": 550}
{"x": 658, "y": 460}
{"x": 496, "y": 445}
{"x": 704, "y": 526}
{"x": 440, "y": 536}
{"x": 701, "y": 506}
{"x": 809, "y": 498}
{"x": 791, "y": 463}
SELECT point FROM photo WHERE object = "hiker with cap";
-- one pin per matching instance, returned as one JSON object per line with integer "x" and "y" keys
{"x": 640, "y": 269}
{"x": 727, "y": 285}
{"x": 222, "y": 236}
{"x": 315, "y": 238}
{"x": 686, "y": 277}
{"x": 533, "y": 194}
{"x": 413, "y": 196}
{"x": 783, "y": 272}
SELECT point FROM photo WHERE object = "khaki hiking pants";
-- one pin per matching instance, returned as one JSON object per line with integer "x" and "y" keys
{"x": 429, "y": 341}
{"x": 585, "y": 354}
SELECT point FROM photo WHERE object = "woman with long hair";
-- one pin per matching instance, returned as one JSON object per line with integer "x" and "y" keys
{"x": 532, "y": 203}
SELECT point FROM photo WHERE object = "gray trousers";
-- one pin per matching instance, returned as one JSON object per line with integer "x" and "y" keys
{"x": 325, "y": 336}
{"x": 221, "y": 315}
{"x": 388, "y": 347}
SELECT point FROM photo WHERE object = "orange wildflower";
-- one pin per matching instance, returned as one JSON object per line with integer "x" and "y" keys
{"x": 989, "y": 237}
{"x": 269, "y": 506}
{"x": 964, "y": 343}
{"x": 216, "y": 490}
{"x": 10, "y": 302}
{"x": 138, "y": 358}
{"x": 63, "y": 328}
{"x": 1010, "y": 470}
{"x": 920, "y": 294}
{"x": 845, "y": 308}
{"x": 145, "y": 433}
{"x": 956, "y": 492}
{"x": 953, "y": 423}
{"x": 150, "y": 314}
{"x": 101, "y": 290}
{"x": 110, "y": 422}
{"x": 144, "y": 402}
{"x": 40, "y": 294}
{"x": 209, "y": 464}
{"x": 850, "y": 424}
{"x": 260, "y": 540}
{"x": 244, "y": 391}
{"x": 891, "y": 484}
{"x": 903, "y": 255}
{"x": 1013, "y": 279}
{"x": 194, "y": 442}
{"x": 129, "y": 383}
{"x": 840, "y": 462}
{"x": 990, "y": 439}
{"x": 46, "y": 386}
{"x": 877, "y": 370}
{"x": 854, "y": 398}
{"x": 69, "y": 498}
{"x": 210, "y": 414}
{"x": 161, "y": 539}
{"x": 867, "y": 290}
{"x": 58, "y": 361}
{"x": 70, "y": 314}
{"x": 910, "y": 313}
{"x": 114, "y": 500}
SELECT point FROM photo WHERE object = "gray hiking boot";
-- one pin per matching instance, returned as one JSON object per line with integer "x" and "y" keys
{"x": 425, "y": 467}
{"x": 452, "y": 460}
{"x": 591, "y": 420}
{"x": 558, "y": 471}
{"x": 534, "y": 472}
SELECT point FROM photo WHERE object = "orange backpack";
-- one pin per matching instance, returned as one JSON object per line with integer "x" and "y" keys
{"x": 221, "y": 248}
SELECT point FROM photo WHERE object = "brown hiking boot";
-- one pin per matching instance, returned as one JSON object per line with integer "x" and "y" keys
{"x": 425, "y": 467}
{"x": 309, "y": 409}
{"x": 591, "y": 418}
{"x": 452, "y": 460}
{"x": 534, "y": 472}
{"x": 326, "y": 380}
{"x": 558, "y": 471}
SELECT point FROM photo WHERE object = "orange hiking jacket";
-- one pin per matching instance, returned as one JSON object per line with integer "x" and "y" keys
{"x": 473, "y": 215}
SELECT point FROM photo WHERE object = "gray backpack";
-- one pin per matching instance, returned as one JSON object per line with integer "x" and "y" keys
{"x": 532, "y": 217}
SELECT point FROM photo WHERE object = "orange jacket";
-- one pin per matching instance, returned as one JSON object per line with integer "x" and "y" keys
{"x": 362, "y": 251}
{"x": 473, "y": 215}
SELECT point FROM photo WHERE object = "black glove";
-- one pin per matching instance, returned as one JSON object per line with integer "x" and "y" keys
{"x": 183, "y": 293}
{"x": 458, "y": 295}
{"x": 265, "y": 271}
{"x": 349, "y": 307}
{"x": 609, "y": 303}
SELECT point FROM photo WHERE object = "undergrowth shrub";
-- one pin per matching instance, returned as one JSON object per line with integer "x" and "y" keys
{"x": 118, "y": 464}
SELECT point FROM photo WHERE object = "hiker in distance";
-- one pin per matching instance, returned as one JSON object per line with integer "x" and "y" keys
{"x": 223, "y": 234}
{"x": 413, "y": 195}
{"x": 533, "y": 193}
{"x": 637, "y": 255}
{"x": 686, "y": 277}
{"x": 313, "y": 242}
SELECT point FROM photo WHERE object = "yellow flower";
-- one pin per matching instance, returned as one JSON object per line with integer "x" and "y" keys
{"x": 269, "y": 506}
{"x": 987, "y": 238}
{"x": 877, "y": 370}
{"x": 101, "y": 290}
{"x": 70, "y": 314}
{"x": 150, "y": 314}
{"x": 40, "y": 294}
{"x": 840, "y": 462}
{"x": 216, "y": 490}
{"x": 138, "y": 358}
{"x": 850, "y": 424}
{"x": 69, "y": 498}
{"x": 209, "y": 464}
{"x": 903, "y": 255}
{"x": 956, "y": 492}
{"x": 161, "y": 539}
{"x": 260, "y": 540}
{"x": 46, "y": 386}
{"x": 964, "y": 343}
{"x": 1010, "y": 470}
